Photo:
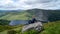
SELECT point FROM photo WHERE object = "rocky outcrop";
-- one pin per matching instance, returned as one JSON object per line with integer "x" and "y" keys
{"x": 36, "y": 26}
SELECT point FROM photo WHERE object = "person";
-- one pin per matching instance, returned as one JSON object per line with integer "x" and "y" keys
{"x": 29, "y": 22}
{"x": 33, "y": 20}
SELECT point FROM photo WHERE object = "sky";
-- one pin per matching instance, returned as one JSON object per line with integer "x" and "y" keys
{"x": 29, "y": 4}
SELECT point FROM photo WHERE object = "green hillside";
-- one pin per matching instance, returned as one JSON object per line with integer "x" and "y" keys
{"x": 27, "y": 14}
{"x": 15, "y": 16}
{"x": 49, "y": 28}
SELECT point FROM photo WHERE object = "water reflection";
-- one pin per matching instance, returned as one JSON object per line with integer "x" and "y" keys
{"x": 18, "y": 22}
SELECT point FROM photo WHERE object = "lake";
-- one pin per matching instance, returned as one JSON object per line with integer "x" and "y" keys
{"x": 18, "y": 22}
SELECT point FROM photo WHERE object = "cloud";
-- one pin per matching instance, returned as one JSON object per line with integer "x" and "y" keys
{"x": 29, "y": 4}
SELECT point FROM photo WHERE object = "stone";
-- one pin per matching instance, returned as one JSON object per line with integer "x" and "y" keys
{"x": 36, "y": 26}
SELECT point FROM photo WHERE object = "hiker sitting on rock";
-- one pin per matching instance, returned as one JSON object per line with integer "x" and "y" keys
{"x": 32, "y": 21}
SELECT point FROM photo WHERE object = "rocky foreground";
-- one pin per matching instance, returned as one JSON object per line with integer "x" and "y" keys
{"x": 36, "y": 26}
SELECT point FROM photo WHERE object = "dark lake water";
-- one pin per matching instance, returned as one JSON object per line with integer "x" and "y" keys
{"x": 18, "y": 22}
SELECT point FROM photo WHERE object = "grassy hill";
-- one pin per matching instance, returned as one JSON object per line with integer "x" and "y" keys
{"x": 49, "y": 28}
{"x": 27, "y": 14}
{"x": 15, "y": 16}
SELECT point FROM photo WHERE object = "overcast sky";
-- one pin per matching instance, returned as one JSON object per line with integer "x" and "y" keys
{"x": 29, "y": 4}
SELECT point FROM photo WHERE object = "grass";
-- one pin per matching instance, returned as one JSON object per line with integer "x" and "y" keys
{"x": 31, "y": 32}
{"x": 15, "y": 28}
{"x": 51, "y": 28}
{"x": 6, "y": 27}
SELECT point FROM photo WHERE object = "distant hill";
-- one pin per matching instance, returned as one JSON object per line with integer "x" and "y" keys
{"x": 45, "y": 15}
{"x": 13, "y": 15}
{"x": 41, "y": 14}
{"x": 7, "y": 16}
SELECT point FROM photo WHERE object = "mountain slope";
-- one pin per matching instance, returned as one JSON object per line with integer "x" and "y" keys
{"x": 15, "y": 16}
{"x": 48, "y": 15}
{"x": 40, "y": 14}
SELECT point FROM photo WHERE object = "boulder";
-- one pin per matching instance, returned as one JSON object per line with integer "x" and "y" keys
{"x": 36, "y": 26}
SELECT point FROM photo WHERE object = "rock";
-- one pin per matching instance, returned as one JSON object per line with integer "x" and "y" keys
{"x": 36, "y": 26}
